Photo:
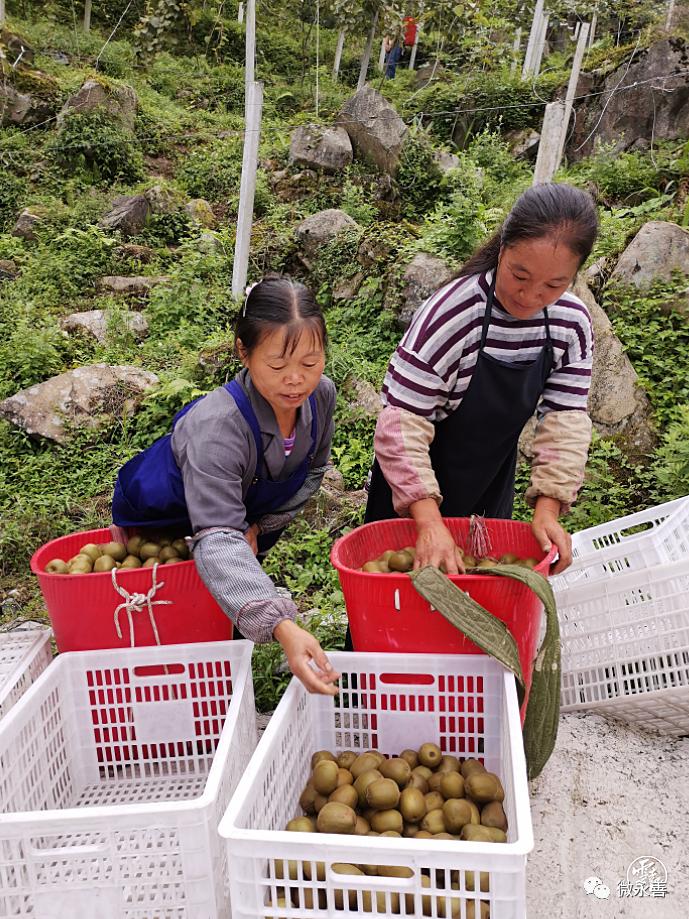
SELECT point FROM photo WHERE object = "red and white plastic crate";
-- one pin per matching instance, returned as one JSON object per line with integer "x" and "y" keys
{"x": 24, "y": 655}
{"x": 115, "y": 768}
{"x": 656, "y": 536}
{"x": 465, "y": 703}
{"x": 625, "y": 647}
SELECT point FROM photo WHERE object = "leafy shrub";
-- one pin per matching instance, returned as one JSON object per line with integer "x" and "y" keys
{"x": 672, "y": 459}
{"x": 29, "y": 354}
{"x": 12, "y": 191}
{"x": 355, "y": 204}
{"x": 97, "y": 144}
{"x": 212, "y": 171}
{"x": 627, "y": 177}
{"x": 418, "y": 175}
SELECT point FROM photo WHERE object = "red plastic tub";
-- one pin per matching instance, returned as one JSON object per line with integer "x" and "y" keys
{"x": 82, "y": 606}
{"x": 386, "y": 614}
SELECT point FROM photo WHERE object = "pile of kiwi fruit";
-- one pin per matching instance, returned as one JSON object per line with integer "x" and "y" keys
{"x": 400, "y": 561}
{"x": 420, "y": 794}
{"x": 137, "y": 552}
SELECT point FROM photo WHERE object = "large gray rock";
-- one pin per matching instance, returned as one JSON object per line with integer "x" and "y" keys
{"x": 163, "y": 199}
{"x": 423, "y": 275}
{"x": 19, "y": 108}
{"x": 131, "y": 251}
{"x": 618, "y": 406}
{"x": 331, "y": 507}
{"x": 200, "y": 211}
{"x": 128, "y": 214}
{"x": 137, "y": 286}
{"x": 316, "y": 147}
{"x": 445, "y": 161}
{"x": 375, "y": 129}
{"x": 25, "y": 227}
{"x": 363, "y": 398}
{"x": 593, "y": 815}
{"x": 85, "y": 397}
{"x": 658, "y": 249}
{"x": 319, "y": 229}
{"x": 95, "y": 323}
{"x": 524, "y": 143}
{"x": 120, "y": 101}
{"x": 656, "y": 106}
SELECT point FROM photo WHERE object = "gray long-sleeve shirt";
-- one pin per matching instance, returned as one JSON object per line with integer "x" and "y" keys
{"x": 216, "y": 453}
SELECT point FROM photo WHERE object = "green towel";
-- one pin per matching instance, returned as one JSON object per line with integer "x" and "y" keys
{"x": 493, "y": 637}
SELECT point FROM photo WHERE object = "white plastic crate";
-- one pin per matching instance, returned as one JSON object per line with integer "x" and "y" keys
{"x": 24, "y": 655}
{"x": 625, "y": 647}
{"x": 639, "y": 541}
{"x": 465, "y": 703}
{"x": 115, "y": 768}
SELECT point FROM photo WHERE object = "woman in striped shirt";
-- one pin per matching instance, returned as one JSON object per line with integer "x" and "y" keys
{"x": 492, "y": 346}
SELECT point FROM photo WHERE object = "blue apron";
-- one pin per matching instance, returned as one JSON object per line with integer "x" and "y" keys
{"x": 149, "y": 491}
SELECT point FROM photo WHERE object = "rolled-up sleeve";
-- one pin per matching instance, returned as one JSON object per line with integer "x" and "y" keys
{"x": 560, "y": 450}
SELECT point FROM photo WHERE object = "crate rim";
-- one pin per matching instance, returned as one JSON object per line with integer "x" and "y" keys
{"x": 229, "y": 830}
{"x": 43, "y": 634}
{"x": 548, "y": 558}
{"x": 584, "y": 591}
{"x": 126, "y": 811}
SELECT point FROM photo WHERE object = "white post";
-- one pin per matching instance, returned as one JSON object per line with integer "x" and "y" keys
{"x": 540, "y": 45}
{"x": 338, "y": 53}
{"x": 240, "y": 13}
{"x": 247, "y": 189}
{"x": 547, "y": 160}
{"x": 576, "y": 29}
{"x": 533, "y": 35}
{"x": 412, "y": 56}
{"x": 367, "y": 54}
{"x": 582, "y": 44}
{"x": 2, "y": 11}
{"x": 670, "y": 13}
{"x": 381, "y": 56}
{"x": 515, "y": 49}
{"x": 592, "y": 30}
{"x": 249, "y": 66}
{"x": 87, "y": 15}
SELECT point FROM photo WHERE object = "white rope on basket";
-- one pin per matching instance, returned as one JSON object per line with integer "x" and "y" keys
{"x": 135, "y": 603}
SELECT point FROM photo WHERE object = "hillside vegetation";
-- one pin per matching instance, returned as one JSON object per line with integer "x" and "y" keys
{"x": 185, "y": 142}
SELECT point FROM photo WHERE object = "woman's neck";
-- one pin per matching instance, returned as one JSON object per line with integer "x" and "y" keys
{"x": 286, "y": 421}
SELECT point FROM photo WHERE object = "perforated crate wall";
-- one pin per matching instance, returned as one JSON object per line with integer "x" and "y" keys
{"x": 625, "y": 647}
{"x": 468, "y": 705}
{"x": 24, "y": 655}
{"x": 114, "y": 769}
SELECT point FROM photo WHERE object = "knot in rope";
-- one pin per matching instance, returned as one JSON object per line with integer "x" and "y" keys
{"x": 135, "y": 603}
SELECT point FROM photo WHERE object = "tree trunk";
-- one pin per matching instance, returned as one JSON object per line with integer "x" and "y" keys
{"x": 338, "y": 53}
{"x": 367, "y": 53}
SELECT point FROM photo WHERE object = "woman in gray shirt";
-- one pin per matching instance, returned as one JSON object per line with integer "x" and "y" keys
{"x": 241, "y": 462}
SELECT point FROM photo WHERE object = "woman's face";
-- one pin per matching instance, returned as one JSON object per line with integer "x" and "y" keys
{"x": 533, "y": 274}
{"x": 285, "y": 379}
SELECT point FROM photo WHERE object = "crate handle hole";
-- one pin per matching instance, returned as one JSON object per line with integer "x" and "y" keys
{"x": 411, "y": 679}
{"x": 159, "y": 670}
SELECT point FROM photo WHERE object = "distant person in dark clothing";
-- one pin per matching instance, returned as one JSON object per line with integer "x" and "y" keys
{"x": 393, "y": 52}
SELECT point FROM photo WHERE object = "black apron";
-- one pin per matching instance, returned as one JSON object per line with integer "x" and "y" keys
{"x": 474, "y": 450}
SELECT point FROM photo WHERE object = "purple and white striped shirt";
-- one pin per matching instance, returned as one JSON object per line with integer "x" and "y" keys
{"x": 432, "y": 367}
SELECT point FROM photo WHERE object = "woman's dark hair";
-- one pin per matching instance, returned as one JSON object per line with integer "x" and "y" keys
{"x": 556, "y": 210}
{"x": 279, "y": 302}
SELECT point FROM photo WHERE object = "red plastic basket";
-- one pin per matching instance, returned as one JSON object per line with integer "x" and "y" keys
{"x": 387, "y": 614}
{"x": 82, "y": 606}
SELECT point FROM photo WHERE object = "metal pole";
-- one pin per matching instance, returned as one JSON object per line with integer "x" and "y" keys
{"x": 381, "y": 56}
{"x": 367, "y": 54}
{"x": 87, "y": 15}
{"x": 2, "y": 11}
{"x": 240, "y": 13}
{"x": 338, "y": 53}
{"x": 533, "y": 35}
{"x": 247, "y": 189}
{"x": 547, "y": 160}
{"x": 670, "y": 13}
{"x": 592, "y": 31}
{"x": 540, "y": 45}
{"x": 412, "y": 56}
{"x": 582, "y": 44}
{"x": 250, "y": 65}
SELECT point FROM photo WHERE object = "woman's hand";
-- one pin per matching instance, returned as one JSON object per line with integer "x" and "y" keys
{"x": 301, "y": 648}
{"x": 548, "y": 531}
{"x": 434, "y": 543}
{"x": 251, "y": 537}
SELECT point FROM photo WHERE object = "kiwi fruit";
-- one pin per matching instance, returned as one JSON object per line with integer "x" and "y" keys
{"x": 104, "y": 563}
{"x": 336, "y": 818}
{"x": 430, "y": 755}
{"x": 509, "y": 558}
{"x": 448, "y": 763}
{"x": 181, "y": 548}
{"x": 321, "y": 754}
{"x": 57, "y": 566}
{"x": 345, "y": 899}
{"x": 116, "y": 550}
{"x": 382, "y": 794}
{"x": 471, "y": 765}
{"x": 307, "y": 799}
{"x": 530, "y": 562}
{"x": 434, "y": 781}
{"x": 132, "y": 561}
{"x": 344, "y": 777}
{"x": 362, "y": 782}
{"x": 319, "y": 802}
{"x": 434, "y": 821}
{"x": 325, "y": 775}
{"x": 167, "y": 553}
{"x": 412, "y": 805}
{"x": 470, "y": 880}
{"x": 363, "y": 827}
{"x": 91, "y": 550}
{"x": 372, "y": 568}
{"x": 149, "y": 550}
{"x": 301, "y": 825}
{"x": 469, "y": 561}
{"x": 134, "y": 544}
{"x": 433, "y": 800}
{"x": 410, "y": 756}
{"x": 419, "y": 782}
{"x": 452, "y": 785}
{"x": 345, "y": 794}
{"x": 401, "y": 562}
{"x": 150, "y": 562}
{"x": 483, "y": 910}
{"x": 363, "y": 763}
{"x": 482, "y": 787}
{"x": 493, "y": 814}
{"x": 345, "y": 759}
{"x": 384, "y": 821}
{"x": 487, "y": 563}
{"x": 396, "y": 769}
{"x": 456, "y": 814}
